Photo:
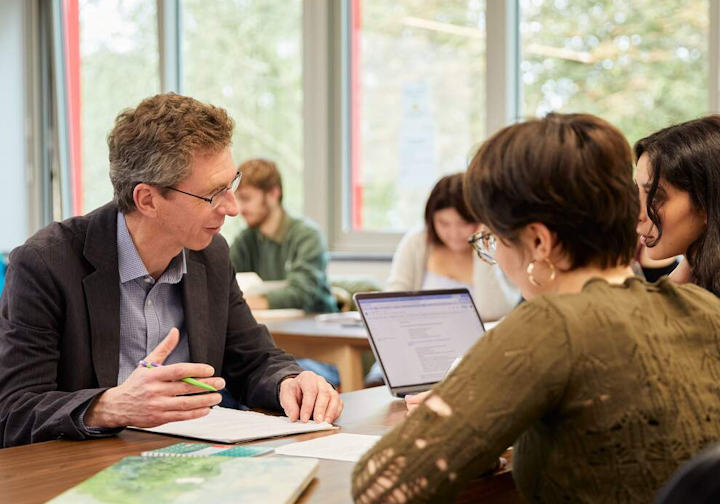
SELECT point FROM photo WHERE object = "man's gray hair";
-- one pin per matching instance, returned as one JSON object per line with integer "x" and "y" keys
{"x": 155, "y": 143}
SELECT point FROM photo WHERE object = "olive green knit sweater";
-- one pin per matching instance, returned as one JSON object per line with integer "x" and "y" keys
{"x": 604, "y": 393}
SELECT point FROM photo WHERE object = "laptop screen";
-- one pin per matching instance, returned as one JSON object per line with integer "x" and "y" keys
{"x": 417, "y": 336}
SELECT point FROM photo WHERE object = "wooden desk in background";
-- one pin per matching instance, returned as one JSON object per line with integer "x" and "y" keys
{"x": 326, "y": 342}
{"x": 36, "y": 473}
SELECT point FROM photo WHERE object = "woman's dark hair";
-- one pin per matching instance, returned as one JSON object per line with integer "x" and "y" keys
{"x": 447, "y": 193}
{"x": 687, "y": 156}
{"x": 571, "y": 172}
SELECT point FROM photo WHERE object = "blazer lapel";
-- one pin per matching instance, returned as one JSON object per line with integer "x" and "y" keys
{"x": 197, "y": 313}
{"x": 102, "y": 294}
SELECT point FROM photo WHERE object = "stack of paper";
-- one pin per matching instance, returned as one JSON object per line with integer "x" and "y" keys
{"x": 349, "y": 447}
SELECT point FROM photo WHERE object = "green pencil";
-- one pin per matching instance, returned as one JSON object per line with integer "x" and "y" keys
{"x": 190, "y": 381}
{"x": 193, "y": 381}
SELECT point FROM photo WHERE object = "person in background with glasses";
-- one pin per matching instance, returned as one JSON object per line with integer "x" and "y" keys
{"x": 145, "y": 277}
{"x": 604, "y": 383}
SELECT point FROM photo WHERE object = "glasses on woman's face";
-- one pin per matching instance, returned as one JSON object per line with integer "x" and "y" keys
{"x": 485, "y": 244}
{"x": 215, "y": 198}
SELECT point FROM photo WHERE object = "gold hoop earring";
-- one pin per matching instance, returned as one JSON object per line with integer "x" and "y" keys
{"x": 531, "y": 268}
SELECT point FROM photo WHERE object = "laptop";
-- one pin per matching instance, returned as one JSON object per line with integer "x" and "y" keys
{"x": 416, "y": 336}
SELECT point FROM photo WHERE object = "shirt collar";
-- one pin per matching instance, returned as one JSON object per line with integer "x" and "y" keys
{"x": 130, "y": 265}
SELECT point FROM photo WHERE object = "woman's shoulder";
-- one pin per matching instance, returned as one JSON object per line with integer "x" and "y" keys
{"x": 638, "y": 290}
{"x": 412, "y": 244}
{"x": 415, "y": 236}
{"x": 539, "y": 314}
{"x": 634, "y": 305}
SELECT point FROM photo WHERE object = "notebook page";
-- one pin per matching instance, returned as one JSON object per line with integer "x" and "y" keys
{"x": 228, "y": 425}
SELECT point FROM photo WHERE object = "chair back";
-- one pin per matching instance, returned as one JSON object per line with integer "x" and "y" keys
{"x": 696, "y": 481}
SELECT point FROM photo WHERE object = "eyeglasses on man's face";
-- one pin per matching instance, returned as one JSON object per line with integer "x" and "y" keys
{"x": 485, "y": 244}
{"x": 215, "y": 198}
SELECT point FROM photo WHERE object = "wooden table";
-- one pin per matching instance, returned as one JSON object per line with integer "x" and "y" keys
{"x": 325, "y": 342}
{"x": 36, "y": 473}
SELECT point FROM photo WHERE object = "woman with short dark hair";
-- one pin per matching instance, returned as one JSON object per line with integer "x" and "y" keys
{"x": 604, "y": 382}
{"x": 678, "y": 176}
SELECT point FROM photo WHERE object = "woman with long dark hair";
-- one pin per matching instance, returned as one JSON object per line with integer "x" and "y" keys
{"x": 678, "y": 176}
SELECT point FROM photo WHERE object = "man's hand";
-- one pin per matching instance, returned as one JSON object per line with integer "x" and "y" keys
{"x": 309, "y": 395}
{"x": 151, "y": 397}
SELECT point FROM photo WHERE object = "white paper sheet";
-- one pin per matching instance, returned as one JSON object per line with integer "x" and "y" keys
{"x": 252, "y": 285}
{"x": 228, "y": 425}
{"x": 278, "y": 314}
{"x": 348, "y": 447}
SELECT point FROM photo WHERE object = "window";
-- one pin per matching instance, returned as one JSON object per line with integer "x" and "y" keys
{"x": 417, "y": 104}
{"x": 118, "y": 67}
{"x": 246, "y": 56}
{"x": 365, "y": 104}
{"x": 642, "y": 65}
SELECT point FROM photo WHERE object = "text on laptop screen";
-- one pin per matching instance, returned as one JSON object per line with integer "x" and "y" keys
{"x": 418, "y": 337}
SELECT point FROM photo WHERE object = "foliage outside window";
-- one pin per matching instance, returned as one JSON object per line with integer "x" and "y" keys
{"x": 246, "y": 56}
{"x": 420, "y": 96}
{"x": 642, "y": 65}
{"x": 119, "y": 67}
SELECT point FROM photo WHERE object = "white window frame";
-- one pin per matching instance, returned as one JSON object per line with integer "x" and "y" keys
{"x": 714, "y": 56}
{"x": 327, "y": 122}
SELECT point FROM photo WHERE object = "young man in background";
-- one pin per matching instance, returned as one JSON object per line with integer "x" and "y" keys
{"x": 278, "y": 246}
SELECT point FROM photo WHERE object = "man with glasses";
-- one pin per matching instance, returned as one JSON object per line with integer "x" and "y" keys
{"x": 144, "y": 278}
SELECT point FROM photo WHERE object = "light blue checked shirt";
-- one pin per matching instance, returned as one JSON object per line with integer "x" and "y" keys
{"x": 149, "y": 308}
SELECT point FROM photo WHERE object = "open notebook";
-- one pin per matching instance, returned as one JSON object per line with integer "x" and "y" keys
{"x": 227, "y": 425}
{"x": 216, "y": 480}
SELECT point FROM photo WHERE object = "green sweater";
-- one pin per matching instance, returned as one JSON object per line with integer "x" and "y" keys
{"x": 604, "y": 393}
{"x": 296, "y": 253}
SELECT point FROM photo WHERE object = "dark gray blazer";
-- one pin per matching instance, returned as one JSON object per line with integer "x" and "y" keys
{"x": 60, "y": 328}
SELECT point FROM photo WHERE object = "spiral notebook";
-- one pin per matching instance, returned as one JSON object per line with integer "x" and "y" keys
{"x": 206, "y": 450}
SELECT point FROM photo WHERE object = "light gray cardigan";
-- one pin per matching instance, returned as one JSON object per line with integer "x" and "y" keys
{"x": 493, "y": 294}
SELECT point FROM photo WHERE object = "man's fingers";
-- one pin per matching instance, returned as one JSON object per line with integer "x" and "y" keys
{"x": 334, "y": 408}
{"x": 288, "y": 399}
{"x": 165, "y": 347}
{"x": 175, "y": 372}
{"x": 187, "y": 403}
{"x": 180, "y": 388}
{"x": 321, "y": 404}
{"x": 309, "y": 394}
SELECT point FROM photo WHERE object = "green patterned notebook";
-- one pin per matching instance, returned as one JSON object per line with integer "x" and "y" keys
{"x": 161, "y": 480}
{"x": 205, "y": 450}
